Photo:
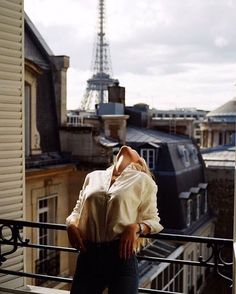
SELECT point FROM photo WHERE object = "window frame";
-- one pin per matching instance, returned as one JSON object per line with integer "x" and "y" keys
{"x": 150, "y": 160}
{"x": 46, "y": 257}
{"x": 50, "y": 234}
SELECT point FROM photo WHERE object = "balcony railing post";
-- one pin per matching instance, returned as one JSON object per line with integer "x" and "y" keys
{"x": 218, "y": 261}
{"x": 12, "y": 238}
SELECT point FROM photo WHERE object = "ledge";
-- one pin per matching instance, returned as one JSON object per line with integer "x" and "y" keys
{"x": 44, "y": 290}
{"x": 33, "y": 290}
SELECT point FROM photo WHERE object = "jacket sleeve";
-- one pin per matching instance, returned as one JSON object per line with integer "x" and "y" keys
{"x": 148, "y": 209}
{"x": 75, "y": 214}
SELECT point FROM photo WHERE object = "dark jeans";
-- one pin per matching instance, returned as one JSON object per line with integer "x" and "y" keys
{"x": 101, "y": 267}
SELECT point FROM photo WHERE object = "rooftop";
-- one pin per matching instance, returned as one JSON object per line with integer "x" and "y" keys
{"x": 141, "y": 135}
{"x": 39, "y": 37}
{"x": 227, "y": 109}
{"x": 220, "y": 156}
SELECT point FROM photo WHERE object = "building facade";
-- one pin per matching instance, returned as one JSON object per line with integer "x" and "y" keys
{"x": 219, "y": 126}
{"x": 220, "y": 172}
{"x": 48, "y": 170}
{"x": 218, "y": 151}
{"x": 182, "y": 121}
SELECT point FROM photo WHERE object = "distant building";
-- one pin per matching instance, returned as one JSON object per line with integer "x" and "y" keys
{"x": 139, "y": 115}
{"x": 181, "y": 121}
{"x": 218, "y": 152}
{"x": 218, "y": 128}
{"x": 220, "y": 173}
{"x": 197, "y": 114}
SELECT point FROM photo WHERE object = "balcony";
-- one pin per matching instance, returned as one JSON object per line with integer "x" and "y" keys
{"x": 162, "y": 263}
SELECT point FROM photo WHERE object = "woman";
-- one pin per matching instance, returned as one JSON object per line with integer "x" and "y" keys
{"x": 114, "y": 207}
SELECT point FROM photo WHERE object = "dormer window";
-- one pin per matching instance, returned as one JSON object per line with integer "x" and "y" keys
{"x": 32, "y": 137}
{"x": 198, "y": 206}
{"x": 205, "y": 202}
{"x": 189, "y": 212}
{"x": 184, "y": 154}
{"x": 149, "y": 156}
{"x": 27, "y": 119}
{"x": 193, "y": 153}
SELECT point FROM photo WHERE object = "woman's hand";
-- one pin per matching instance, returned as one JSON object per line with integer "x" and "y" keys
{"x": 75, "y": 238}
{"x": 128, "y": 240}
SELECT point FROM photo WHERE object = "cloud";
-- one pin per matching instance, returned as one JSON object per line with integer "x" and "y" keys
{"x": 184, "y": 89}
{"x": 76, "y": 84}
{"x": 165, "y": 52}
{"x": 221, "y": 42}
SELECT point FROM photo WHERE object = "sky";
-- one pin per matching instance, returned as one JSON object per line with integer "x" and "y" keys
{"x": 166, "y": 53}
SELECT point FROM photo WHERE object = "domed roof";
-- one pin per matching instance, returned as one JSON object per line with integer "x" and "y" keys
{"x": 227, "y": 109}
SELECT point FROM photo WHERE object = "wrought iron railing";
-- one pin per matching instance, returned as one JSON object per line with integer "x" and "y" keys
{"x": 15, "y": 239}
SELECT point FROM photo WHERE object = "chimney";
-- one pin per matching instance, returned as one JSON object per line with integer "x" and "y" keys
{"x": 116, "y": 93}
{"x": 61, "y": 64}
{"x": 115, "y": 127}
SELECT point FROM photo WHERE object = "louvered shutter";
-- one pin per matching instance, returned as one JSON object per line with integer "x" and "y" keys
{"x": 11, "y": 125}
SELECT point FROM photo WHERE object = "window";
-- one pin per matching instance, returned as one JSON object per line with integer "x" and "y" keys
{"x": 32, "y": 137}
{"x": 197, "y": 132}
{"x": 220, "y": 138}
{"x": 48, "y": 261}
{"x": 232, "y": 137}
{"x": 198, "y": 206}
{"x": 27, "y": 119}
{"x": 149, "y": 156}
{"x": 189, "y": 212}
{"x": 204, "y": 200}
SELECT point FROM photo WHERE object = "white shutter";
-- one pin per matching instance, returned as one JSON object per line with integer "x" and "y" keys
{"x": 11, "y": 126}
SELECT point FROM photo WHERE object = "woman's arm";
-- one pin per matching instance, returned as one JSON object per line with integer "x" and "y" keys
{"x": 148, "y": 219}
{"x": 72, "y": 221}
{"x": 75, "y": 237}
{"x": 73, "y": 218}
{"x": 128, "y": 240}
{"x": 148, "y": 212}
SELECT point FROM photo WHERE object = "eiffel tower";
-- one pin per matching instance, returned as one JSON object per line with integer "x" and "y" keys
{"x": 96, "y": 91}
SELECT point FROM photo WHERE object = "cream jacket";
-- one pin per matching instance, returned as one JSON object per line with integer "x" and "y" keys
{"x": 103, "y": 210}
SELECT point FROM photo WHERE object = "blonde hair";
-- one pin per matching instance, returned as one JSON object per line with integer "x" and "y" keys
{"x": 142, "y": 166}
